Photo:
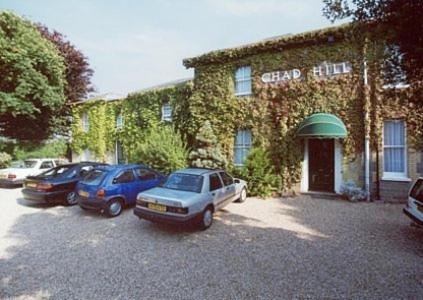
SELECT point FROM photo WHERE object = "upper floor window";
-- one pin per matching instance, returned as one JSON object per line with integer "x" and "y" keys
{"x": 166, "y": 112}
{"x": 394, "y": 149}
{"x": 119, "y": 121}
{"x": 243, "y": 81}
{"x": 85, "y": 122}
{"x": 243, "y": 142}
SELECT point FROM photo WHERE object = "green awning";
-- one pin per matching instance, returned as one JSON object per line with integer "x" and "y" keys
{"x": 322, "y": 126}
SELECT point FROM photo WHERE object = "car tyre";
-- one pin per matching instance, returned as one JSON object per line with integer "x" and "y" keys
{"x": 71, "y": 199}
{"x": 242, "y": 196}
{"x": 114, "y": 208}
{"x": 206, "y": 218}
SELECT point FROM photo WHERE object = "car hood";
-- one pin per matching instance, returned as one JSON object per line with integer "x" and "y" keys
{"x": 20, "y": 172}
{"x": 169, "y": 197}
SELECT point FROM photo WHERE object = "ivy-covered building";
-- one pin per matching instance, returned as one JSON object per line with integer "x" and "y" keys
{"x": 315, "y": 101}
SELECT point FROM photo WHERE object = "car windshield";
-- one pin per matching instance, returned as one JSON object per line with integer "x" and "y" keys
{"x": 417, "y": 191}
{"x": 94, "y": 177}
{"x": 56, "y": 172}
{"x": 29, "y": 163}
{"x": 184, "y": 182}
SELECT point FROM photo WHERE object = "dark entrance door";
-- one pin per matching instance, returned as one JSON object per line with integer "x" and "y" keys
{"x": 321, "y": 165}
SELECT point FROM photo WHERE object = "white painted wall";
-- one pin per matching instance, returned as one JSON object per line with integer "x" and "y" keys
{"x": 304, "y": 177}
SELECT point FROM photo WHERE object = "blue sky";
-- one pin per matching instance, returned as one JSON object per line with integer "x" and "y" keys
{"x": 136, "y": 44}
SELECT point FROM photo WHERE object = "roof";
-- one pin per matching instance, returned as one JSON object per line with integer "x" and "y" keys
{"x": 119, "y": 167}
{"x": 102, "y": 97}
{"x": 334, "y": 33}
{"x": 196, "y": 171}
{"x": 162, "y": 86}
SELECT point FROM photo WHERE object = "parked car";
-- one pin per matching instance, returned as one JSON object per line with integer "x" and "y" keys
{"x": 414, "y": 206}
{"x": 190, "y": 195}
{"x": 57, "y": 184}
{"x": 15, "y": 176}
{"x": 109, "y": 188}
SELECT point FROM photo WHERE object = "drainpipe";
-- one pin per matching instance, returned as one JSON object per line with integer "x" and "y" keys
{"x": 367, "y": 133}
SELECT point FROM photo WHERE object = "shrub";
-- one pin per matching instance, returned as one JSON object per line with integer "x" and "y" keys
{"x": 162, "y": 149}
{"x": 259, "y": 173}
{"x": 5, "y": 160}
{"x": 352, "y": 192}
{"x": 207, "y": 154}
{"x": 52, "y": 149}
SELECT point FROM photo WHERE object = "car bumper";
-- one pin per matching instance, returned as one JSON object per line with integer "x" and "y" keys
{"x": 163, "y": 218}
{"x": 11, "y": 183}
{"x": 91, "y": 204}
{"x": 43, "y": 197}
{"x": 410, "y": 214}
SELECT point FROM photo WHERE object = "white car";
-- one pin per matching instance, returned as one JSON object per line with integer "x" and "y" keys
{"x": 414, "y": 206}
{"x": 15, "y": 176}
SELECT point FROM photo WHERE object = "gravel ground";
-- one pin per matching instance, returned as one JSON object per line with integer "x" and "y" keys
{"x": 262, "y": 249}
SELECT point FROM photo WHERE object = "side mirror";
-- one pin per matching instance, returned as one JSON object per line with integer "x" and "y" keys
{"x": 236, "y": 180}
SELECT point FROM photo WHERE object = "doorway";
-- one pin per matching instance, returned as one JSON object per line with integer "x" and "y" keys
{"x": 321, "y": 165}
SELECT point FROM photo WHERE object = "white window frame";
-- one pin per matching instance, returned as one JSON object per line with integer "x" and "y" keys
{"x": 399, "y": 176}
{"x": 85, "y": 122}
{"x": 119, "y": 121}
{"x": 243, "y": 145}
{"x": 167, "y": 112}
{"x": 242, "y": 78}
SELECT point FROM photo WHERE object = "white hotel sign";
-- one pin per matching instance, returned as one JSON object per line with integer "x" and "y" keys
{"x": 322, "y": 70}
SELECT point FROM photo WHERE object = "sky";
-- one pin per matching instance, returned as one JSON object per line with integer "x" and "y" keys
{"x": 132, "y": 45}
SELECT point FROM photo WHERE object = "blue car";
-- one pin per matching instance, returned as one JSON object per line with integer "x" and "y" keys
{"x": 108, "y": 189}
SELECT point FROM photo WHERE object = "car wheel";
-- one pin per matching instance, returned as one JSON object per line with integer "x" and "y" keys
{"x": 114, "y": 208}
{"x": 71, "y": 199}
{"x": 206, "y": 218}
{"x": 242, "y": 195}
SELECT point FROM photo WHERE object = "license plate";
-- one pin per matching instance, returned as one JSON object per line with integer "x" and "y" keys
{"x": 83, "y": 193}
{"x": 31, "y": 184}
{"x": 158, "y": 207}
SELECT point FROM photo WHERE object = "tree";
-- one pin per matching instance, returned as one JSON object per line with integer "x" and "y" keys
{"x": 398, "y": 22}
{"x": 207, "y": 154}
{"x": 78, "y": 76}
{"x": 32, "y": 81}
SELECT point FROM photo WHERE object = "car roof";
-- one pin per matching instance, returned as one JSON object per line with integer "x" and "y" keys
{"x": 197, "y": 171}
{"x": 120, "y": 167}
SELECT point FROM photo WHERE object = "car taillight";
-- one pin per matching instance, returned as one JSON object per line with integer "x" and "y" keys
{"x": 177, "y": 210}
{"x": 101, "y": 193}
{"x": 44, "y": 186}
{"x": 11, "y": 176}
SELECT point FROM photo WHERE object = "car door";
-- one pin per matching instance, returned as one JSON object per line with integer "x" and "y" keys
{"x": 228, "y": 185}
{"x": 127, "y": 184}
{"x": 216, "y": 189}
{"x": 146, "y": 179}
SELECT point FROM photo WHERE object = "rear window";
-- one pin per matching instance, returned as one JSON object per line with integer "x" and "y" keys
{"x": 184, "y": 182}
{"x": 29, "y": 163}
{"x": 417, "y": 191}
{"x": 94, "y": 177}
{"x": 56, "y": 172}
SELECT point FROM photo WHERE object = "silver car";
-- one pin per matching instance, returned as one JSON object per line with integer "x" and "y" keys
{"x": 414, "y": 206}
{"x": 190, "y": 195}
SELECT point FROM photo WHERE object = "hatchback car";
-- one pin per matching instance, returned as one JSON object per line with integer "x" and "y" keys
{"x": 190, "y": 195}
{"x": 414, "y": 206}
{"x": 57, "y": 185}
{"x": 109, "y": 188}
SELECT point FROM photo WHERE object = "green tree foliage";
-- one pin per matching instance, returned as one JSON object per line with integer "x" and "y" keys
{"x": 207, "y": 153}
{"x": 32, "y": 81}
{"x": 162, "y": 149}
{"x": 259, "y": 173}
{"x": 52, "y": 148}
{"x": 5, "y": 160}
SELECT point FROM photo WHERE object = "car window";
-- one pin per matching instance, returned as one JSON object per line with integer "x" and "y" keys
{"x": 46, "y": 165}
{"x": 94, "y": 177}
{"x": 84, "y": 170}
{"x": 226, "y": 178}
{"x": 417, "y": 191}
{"x": 184, "y": 182}
{"x": 145, "y": 174}
{"x": 215, "y": 182}
{"x": 56, "y": 172}
{"x": 30, "y": 163}
{"x": 124, "y": 177}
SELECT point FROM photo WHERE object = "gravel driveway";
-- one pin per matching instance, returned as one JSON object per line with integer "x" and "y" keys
{"x": 262, "y": 249}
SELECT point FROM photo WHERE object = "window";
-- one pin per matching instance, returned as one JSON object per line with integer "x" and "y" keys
{"x": 394, "y": 149}
{"x": 215, "y": 182}
{"x": 46, "y": 165}
{"x": 85, "y": 122}
{"x": 227, "y": 180}
{"x": 119, "y": 121}
{"x": 124, "y": 177}
{"x": 242, "y": 146}
{"x": 166, "y": 112}
{"x": 145, "y": 174}
{"x": 184, "y": 182}
{"x": 243, "y": 81}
